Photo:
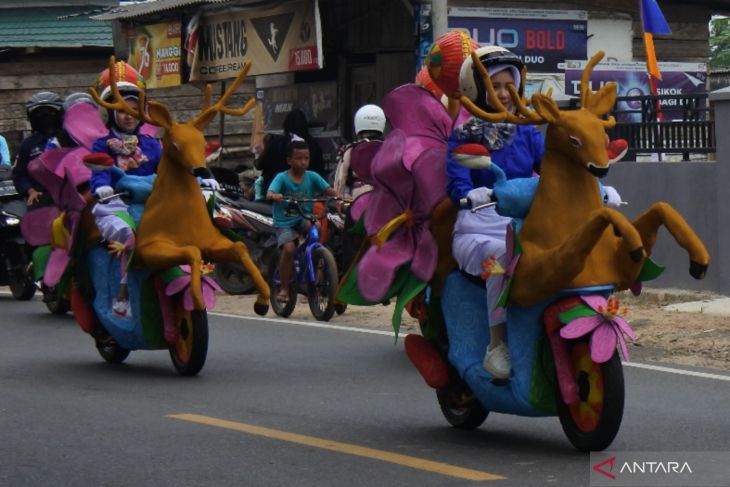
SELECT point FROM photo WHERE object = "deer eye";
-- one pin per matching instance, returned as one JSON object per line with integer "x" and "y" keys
{"x": 575, "y": 141}
{"x": 177, "y": 147}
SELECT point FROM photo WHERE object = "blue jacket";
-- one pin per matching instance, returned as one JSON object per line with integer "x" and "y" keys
{"x": 149, "y": 146}
{"x": 517, "y": 149}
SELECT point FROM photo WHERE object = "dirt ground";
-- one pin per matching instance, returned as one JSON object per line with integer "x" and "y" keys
{"x": 670, "y": 337}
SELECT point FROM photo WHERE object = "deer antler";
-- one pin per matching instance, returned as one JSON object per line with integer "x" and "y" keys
{"x": 208, "y": 111}
{"x": 599, "y": 102}
{"x": 525, "y": 116}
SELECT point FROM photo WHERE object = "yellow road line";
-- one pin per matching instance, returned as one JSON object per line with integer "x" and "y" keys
{"x": 336, "y": 446}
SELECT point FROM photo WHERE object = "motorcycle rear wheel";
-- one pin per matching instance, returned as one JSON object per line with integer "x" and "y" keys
{"x": 188, "y": 354}
{"x": 592, "y": 423}
{"x": 233, "y": 278}
{"x": 321, "y": 292}
{"x": 460, "y": 408}
{"x": 20, "y": 278}
{"x": 111, "y": 352}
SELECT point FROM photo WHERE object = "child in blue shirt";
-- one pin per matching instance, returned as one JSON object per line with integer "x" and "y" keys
{"x": 297, "y": 182}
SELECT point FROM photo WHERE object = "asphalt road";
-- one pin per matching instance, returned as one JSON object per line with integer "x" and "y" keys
{"x": 282, "y": 404}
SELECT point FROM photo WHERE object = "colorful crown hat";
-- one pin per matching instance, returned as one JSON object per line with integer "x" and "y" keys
{"x": 445, "y": 58}
{"x": 424, "y": 79}
{"x": 124, "y": 73}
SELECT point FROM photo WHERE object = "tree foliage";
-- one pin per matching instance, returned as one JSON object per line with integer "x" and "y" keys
{"x": 720, "y": 43}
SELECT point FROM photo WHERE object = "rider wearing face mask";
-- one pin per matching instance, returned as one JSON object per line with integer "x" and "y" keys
{"x": 45, "y": 114}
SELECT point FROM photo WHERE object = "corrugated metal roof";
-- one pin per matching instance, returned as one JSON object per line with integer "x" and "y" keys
{"x": 41, "y": 27}
{"x": 147, "y": 8}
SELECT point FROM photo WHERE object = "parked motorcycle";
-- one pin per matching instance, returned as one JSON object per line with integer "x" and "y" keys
{"x": 14, "y": 252}
{"x": 248, "y": 221}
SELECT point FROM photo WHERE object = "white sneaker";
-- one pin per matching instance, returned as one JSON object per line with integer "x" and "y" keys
{"x": 497, "y": 362}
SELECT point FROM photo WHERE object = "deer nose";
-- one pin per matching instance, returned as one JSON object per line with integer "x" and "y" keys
{"x": 597, "y": 170}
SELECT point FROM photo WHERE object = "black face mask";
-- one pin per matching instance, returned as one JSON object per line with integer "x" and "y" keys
{"x": 45, "y": 120}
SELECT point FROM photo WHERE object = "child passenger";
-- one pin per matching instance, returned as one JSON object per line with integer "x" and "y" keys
{"x": 297, "y": 183}
{"x": 135, "y": 154}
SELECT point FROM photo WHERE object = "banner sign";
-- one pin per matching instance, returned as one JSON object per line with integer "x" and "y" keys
{"x": 155, "y": 51}
{"x": 276, "y": 40}
{"x": 318, "y": 101}
{"x": 542, "y": 38}
{"x": 633, "y": 80}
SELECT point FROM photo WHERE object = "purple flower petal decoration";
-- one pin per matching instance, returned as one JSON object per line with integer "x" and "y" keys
{"x": 581, "y": 326}
{"x": 187, "y": 300}
{"x": 377, "y": 267}
{"x": 177, "y": 285}
{"x": 361, "y": 203}
{"x": 361, "y": 159}
{"x": 425, "y": 257}
{"x": 595, "y": 301}
{"x": 636, "y": 288}
{"x": 624, "y": 327}
{"x": 603, "y": 343}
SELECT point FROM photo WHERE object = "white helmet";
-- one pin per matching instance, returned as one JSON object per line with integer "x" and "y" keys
{"x": 369, "y": 117}
{"x": 470, "y": 83}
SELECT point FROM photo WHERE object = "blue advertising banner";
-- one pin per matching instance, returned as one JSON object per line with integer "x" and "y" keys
{"x": 632, "y": 81}
{"x": 542, "y": 38}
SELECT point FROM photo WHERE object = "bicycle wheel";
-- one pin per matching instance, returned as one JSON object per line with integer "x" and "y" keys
{"x": 233, "y": 278}
{"x": 281, "y": 309}
{"x": 321, "y": 292}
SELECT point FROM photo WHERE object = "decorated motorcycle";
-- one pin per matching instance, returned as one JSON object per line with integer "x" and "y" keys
{"x": 566, "y": 254}
{"x": 169, "y": 283}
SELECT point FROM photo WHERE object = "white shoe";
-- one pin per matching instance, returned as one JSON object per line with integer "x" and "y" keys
{"x": 497, "y": 362}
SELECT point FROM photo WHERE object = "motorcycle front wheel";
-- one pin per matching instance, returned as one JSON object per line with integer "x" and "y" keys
{"x": 233, "y": 278}
{"x": 593, "y": 421}
{"x": 189, "y": 352}
{"x": 56, "y": 304}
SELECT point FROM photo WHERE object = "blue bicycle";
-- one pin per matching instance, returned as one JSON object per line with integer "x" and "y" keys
{"x": 315, "y": 270}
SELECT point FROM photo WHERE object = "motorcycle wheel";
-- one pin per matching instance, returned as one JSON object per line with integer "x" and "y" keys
{"x": 281, "y": 309}
{"x": 20, "y": 278}
{"x": 188, "y": 354}
{"x": 233, "y": 278}
{"x": 58, "y": 305}
{"x": 460, "y": 408}
{"x": 321, "y": 292}
{"x": 593, "y": 421}
{"x": 111, "y": 352}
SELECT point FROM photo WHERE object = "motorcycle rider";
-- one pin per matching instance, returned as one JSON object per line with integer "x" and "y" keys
{"x": 369, "y": 125}
{"x": 45, "y": 114}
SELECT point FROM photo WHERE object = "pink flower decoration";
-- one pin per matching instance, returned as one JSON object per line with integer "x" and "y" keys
{"x": 182, "y": 284}
{"x": 398, "y": 194}
{"x": 608, "y": 329}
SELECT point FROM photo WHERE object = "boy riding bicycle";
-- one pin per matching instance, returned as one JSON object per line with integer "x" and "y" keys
{"x": 298, "y": 183}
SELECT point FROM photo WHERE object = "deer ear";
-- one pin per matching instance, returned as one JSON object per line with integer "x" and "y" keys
{"x": 603, "y": 100}
{"x": 159, "y": 114}
{"x": 546, "y": 107}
